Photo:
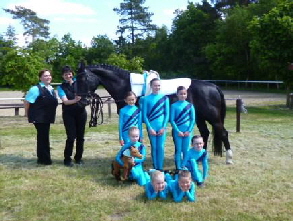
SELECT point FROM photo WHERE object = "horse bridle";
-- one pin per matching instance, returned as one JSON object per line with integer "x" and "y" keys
{"x": 95, "y": 102}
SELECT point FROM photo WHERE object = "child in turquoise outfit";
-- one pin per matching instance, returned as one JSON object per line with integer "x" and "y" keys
{"x": 129, "y": 116}
{"x": 182, "y": 186}
{"x": 157, "y": 186}
{"x": 182, "y": 119}
{"x": 195, "y": 155}
{"x": 137, "y": 172}
{"x": 156, "y": 117}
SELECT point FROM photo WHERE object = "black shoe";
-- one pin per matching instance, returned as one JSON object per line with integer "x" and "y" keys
{"x": 201, "y": 185}
{"x": 48, "y": 162}
{"x": 79, "y": 162}
{"x": 68, "y": 163}
{"x": 176, "y": 171}
{"x": 167, "y": 171}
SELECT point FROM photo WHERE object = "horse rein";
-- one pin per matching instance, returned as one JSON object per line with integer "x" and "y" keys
{"x": 96, "y": 105}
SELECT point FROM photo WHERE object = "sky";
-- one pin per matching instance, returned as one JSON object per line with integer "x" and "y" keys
{"x": 84, "y": 19}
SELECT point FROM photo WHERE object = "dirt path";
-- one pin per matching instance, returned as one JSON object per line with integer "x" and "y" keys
{"x": 249, "y": 98}
{"x": 252, "y": 98}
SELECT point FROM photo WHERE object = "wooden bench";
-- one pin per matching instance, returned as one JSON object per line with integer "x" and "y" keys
{"x": 13, "y": 105}
{"x": 10, "y": 106}
{"x": 16, "y": 106}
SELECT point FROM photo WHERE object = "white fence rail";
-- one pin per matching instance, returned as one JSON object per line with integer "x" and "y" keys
{"x": 247, "y": 83}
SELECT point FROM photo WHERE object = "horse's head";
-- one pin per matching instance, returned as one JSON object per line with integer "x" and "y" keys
{"x": 134, "y": 152}
{"x": 86, "y": 81}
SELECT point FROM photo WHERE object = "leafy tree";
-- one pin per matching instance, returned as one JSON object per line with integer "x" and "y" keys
{"x": 272, "y": 41}
{"x": 5, "y": 46}
{"x": 192, "y": 30}
{"x": 19, "y": 68}
{"x": 231, "y": 3}
{"x": 135, "y": 18}
{"x": 48, "y": 50}
{"x": 32, "y": 24}
{"x": 101, "y": 48}
{"x": 229, "y": 56}
{"x": 70, "y": 53}
{"x": 135, "y": 64}
{"x": 10, "y": 34}
{"x": 154, "y": 50}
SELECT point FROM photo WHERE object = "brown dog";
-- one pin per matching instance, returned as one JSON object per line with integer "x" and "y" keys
{"x": 128, "y": 163}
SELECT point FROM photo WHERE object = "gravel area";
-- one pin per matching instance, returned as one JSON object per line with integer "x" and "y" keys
{"x": 249, "y": 98}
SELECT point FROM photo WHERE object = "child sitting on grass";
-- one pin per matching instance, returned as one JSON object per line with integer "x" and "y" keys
{"x": 137, "y": 173}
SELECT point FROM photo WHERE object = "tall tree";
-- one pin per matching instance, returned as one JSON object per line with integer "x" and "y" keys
{"x": 192, "y": 30}
{"x": 155, "y": 50}
{"x": 33, "y": 25}
{"x": 10, "y": 34}
{"x": 231, "y": 3}
{"x": 5, "y": 47}
{"x": 100, "y": 51}
{"x": 272, "y": 40}
{"x": 135, "y": 18}
{"x": 19, "y": 68}
{"x": 229, "y": 56}
{"x": 70, "y": 53}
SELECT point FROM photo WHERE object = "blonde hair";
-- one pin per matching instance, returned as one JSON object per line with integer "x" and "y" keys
{"x": 131, "y": 129}
{"x": 184, "y": 174}
{"x": 156, "y": 174}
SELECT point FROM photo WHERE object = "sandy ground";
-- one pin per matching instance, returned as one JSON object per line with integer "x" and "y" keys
{"x": 249, "y": 98}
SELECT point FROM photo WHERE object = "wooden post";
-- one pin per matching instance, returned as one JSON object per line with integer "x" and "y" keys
{"x": 238, "y": 111}
{"x": 16, "y": 111}
{"x": 291, "y": 100}
{"x": 109, "y": 109}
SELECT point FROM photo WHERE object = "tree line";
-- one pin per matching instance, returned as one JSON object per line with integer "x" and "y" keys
{"x": 220, "y": 39}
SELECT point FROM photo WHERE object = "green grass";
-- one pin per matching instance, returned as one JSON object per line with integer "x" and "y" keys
{"x": 257, "y": 187}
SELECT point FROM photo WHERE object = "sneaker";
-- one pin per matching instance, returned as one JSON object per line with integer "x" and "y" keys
{"x": 79, "y": 162}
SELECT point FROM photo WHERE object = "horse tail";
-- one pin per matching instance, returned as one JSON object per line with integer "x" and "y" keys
{"x": 218, "y": 145}
{"x": 223, "y": 105}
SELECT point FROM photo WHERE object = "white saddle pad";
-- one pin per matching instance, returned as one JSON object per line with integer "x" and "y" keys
{"x": 168, "y": 87}
{"x": 139, "y": 81}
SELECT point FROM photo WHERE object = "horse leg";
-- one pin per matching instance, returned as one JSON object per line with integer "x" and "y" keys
{"x": 204, "y": 131}
{"x": 217, "y": 141}
{"x": 229, "y": 153}
{"x": 221, "y": 135}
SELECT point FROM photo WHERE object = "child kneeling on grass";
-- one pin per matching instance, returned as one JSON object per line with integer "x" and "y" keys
{"x": 195, "y": 155}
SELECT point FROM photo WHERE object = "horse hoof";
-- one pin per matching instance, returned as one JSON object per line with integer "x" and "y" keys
{"x": 229, "y": 156}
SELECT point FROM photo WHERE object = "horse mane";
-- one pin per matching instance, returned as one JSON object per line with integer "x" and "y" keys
{"x": 121, "y": 73}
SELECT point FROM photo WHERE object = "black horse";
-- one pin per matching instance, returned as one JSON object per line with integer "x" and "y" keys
{"x": 207, "y": 98}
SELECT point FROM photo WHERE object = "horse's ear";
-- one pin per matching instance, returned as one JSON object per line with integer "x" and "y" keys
{"x": 81, "y": 67}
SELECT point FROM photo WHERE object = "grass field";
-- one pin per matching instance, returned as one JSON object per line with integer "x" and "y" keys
{"x": 257, "y": 187}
